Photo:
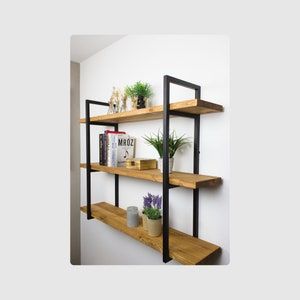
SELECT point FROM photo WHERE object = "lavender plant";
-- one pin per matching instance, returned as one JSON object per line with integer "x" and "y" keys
{"x": 152, "y": 206}
{"x": 147, "y": 201}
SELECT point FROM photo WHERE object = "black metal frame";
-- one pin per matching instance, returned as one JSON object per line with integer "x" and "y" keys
{"x": 166, "y": 186}
{"x": 88, "y": 155}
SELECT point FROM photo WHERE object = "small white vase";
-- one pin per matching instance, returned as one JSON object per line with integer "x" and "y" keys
{"x": 160, "y": 164}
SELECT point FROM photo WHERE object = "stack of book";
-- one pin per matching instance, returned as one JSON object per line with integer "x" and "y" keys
{"x": 115, "y": 147}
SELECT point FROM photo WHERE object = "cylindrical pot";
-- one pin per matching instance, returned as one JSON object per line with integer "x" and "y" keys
{"x": 145, "y": 219}
{"x": 132, "y": 216}
{"x": 154, "y": 227}
{"x": 160, "y": 164}
{"x": 141, "y": 103}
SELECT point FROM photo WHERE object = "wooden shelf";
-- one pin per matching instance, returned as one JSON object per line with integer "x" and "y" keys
{"x": 187, "y": 180}
{"x": 193, "y": 106}
{"x": 184, "y": 248}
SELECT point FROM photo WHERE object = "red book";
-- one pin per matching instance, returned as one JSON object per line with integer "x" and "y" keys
{"x": 115, "y": 132}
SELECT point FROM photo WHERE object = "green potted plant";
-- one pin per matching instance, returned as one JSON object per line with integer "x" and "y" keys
{"x": 140, "y": 92}
{"x": 175, "y": 143}
{"x": 152, "y": 211}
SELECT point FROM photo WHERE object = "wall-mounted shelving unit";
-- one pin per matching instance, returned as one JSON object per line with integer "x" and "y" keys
{"x": 173, "y": 244}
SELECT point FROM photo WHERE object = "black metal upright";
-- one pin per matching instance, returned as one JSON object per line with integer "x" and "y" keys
{"x": 116, "y": 126}
{"x": 88, "y": 159}
{"x": 166, "y": 186}
{"x": 166, "y": 122}
{"x": 88, "y": 155}
{"x": 196, "y": 167}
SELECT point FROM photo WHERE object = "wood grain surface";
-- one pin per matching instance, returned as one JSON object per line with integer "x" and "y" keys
{"x": 187, "y": 180}
{"x": 193, "y": 106}
{"x": 184, "y": 248}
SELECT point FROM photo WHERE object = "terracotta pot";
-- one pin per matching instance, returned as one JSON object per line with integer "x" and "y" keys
{"x": 154, "y": 227}
{"x": 160, "y": 164}
{"x": 145, "y": 219}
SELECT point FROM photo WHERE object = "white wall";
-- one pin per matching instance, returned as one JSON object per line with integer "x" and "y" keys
{"x": 201, "y": 59}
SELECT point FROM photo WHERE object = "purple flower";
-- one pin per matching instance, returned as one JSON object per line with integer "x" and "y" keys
{"x": 152, "y": 201}
{"x": 147, "y": 201}
{"x": 156, "y": 202}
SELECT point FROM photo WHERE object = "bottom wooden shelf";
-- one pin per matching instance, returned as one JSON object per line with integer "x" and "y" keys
{"x": 184, "y": 248}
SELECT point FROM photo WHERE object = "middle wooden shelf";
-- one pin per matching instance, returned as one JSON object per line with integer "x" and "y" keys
{"x": 187, "y": 180}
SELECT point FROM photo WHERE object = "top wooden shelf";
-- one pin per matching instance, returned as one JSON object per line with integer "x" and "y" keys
{"x": 193, "y": 106}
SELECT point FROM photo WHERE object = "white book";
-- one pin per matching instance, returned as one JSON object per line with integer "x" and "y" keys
{"x": 112, "y": 144}
{"x": 125, "y": 149}
{"x": 120, "y": 146}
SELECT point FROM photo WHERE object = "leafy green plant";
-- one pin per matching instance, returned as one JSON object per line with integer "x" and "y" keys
{"x": 175, "y": 143}
{"x": 153, "y": 213}
{"x": 139, "y": 89}
{"x": 129, "y": 91}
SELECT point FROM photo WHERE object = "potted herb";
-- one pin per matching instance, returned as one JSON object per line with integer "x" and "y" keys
{"x": 175, "y": 143}
{"x": 140, "y": 92}
{"x": 146, "y": 206}
{"x": 152, "y": 209}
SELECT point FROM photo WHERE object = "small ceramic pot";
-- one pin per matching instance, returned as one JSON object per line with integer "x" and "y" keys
{"x": 141, "y": 102}
{"x": 160, "y": 164}
{"x": 154, "y": 227}
{"x": 145, "y": 219}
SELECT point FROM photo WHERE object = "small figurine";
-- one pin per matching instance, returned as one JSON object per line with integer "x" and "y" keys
{"x": 123, "y": 103}
{"x": 134, "y": 103}
{"x": 117, "y": 100}
{"x": 113, "y": 102}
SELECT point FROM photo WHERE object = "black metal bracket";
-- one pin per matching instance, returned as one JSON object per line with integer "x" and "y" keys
{"x": 103, "y": 123}
{"x": 88, "y": 155}
{"x": 171, "y": 186}
{"x": 166, "y": 186}
{"x": 183, "y": 114}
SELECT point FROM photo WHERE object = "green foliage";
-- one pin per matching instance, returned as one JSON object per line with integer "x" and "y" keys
{"x": 129, "y": 91}
{"x": 175, "y": 143}
{"x": 139, "y": 89}
{"x": 152, "y": 213}
{"x": 155, "y": 140}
